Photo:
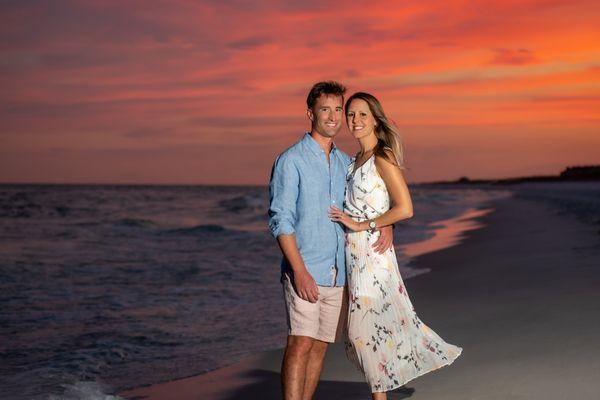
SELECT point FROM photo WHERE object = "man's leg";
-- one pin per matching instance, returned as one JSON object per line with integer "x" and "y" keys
{"x": 332, "y": 320}
{"x": 314, "y": 368}
{"x": 295, "y": 361}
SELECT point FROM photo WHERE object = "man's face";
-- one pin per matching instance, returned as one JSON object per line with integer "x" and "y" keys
{"x": 327, "y": 115}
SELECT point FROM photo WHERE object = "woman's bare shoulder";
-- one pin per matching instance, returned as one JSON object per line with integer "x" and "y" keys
{"x": 388, "y": 161}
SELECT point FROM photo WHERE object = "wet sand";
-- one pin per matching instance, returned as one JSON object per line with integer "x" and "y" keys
{"x": 520, "y": 295}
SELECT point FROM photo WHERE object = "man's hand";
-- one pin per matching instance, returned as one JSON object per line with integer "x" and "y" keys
{"x": 385, "y": 240}
{"x": 306, "y": 287}
{"x": 304, "y": 284}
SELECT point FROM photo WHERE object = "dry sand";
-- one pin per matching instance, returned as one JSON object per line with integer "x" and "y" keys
{"x": 521, "y": 296}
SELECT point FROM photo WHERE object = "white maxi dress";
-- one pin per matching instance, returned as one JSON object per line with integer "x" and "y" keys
{"x": 386, "y": 340}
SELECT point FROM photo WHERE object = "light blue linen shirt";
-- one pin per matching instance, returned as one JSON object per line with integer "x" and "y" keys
{"x": 303, "y": 186}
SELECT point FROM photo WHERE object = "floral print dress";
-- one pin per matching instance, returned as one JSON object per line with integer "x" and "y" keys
{"x": 386, "y": 340}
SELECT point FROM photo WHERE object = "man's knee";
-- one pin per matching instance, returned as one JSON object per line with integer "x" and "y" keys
{"x": 319, "y": 347}
{"x": 299, "y": 345}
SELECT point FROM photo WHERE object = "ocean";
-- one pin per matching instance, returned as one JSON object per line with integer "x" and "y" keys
{"x": 108, "y": 287}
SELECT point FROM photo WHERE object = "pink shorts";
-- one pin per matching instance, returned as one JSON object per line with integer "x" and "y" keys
{"x": 324, "y": 320}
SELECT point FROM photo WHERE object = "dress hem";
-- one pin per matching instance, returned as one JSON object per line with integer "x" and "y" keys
{"x": 420, "y": 374}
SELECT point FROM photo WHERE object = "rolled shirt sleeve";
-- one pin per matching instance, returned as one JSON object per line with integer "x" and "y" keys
{"x": 283, "y": 194}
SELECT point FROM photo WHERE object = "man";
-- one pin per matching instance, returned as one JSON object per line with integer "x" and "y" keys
{"x": 306, "y": 180}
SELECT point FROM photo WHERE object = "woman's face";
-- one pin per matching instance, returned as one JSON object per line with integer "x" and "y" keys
{"x": 360, "y": 120}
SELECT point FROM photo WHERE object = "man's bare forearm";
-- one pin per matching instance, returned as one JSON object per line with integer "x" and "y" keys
{"x": 304, "y": 284}
{"x": 289, "y": 248}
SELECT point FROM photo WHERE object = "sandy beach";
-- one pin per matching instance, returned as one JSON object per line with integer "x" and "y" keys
{"x": 521, "y": 296}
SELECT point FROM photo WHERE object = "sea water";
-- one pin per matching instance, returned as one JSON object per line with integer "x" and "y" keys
{"x": 106, "y": 287}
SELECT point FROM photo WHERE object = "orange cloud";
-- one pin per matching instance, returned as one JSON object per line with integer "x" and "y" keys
{"x": 170, "y": 82}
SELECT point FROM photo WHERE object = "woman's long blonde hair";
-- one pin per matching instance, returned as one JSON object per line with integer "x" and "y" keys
{"x": 388, "y": 135}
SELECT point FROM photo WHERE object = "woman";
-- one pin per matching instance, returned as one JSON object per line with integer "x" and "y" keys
{"x": 386, "y": 339}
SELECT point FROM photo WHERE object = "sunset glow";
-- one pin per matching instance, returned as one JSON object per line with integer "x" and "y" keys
{"x": 209, "y": 92}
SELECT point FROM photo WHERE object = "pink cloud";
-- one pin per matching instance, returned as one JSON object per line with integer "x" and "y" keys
{"x": 513, "y": 57}
{"x": 187, "y": 74}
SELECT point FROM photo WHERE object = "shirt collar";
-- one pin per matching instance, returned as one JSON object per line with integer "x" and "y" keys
{"x": 314, "y": 146}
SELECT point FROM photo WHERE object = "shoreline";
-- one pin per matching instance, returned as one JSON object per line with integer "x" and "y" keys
{"x": 446, "y": 233}
{"x": 450, "y": 232}
{"x": 510, "y": 325}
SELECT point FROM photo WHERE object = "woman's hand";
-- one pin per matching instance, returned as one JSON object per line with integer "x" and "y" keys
{"x": 338, "y": 215}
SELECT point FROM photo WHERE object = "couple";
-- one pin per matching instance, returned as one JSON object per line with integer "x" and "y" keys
{"x": 332, "y": 217}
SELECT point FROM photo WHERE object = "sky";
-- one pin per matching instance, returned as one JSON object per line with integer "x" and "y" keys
{"x": 209, "y": 92}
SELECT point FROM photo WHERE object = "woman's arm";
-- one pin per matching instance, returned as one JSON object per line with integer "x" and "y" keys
{"x": 397, "y": 189}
